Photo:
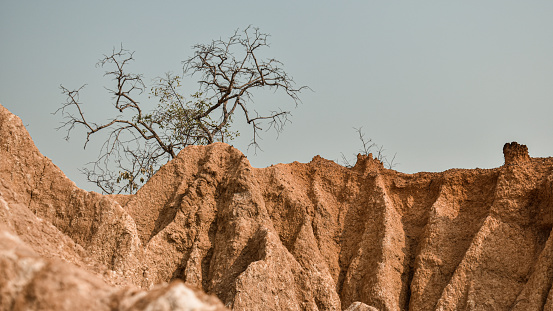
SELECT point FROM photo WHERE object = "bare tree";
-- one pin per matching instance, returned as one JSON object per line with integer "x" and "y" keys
{"x": 367, "y": 146}
{"x": 139, "y": 142}
{"x": 227, "y": 79}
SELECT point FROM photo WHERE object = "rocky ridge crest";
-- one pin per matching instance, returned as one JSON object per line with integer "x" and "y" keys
{"x": 298, "y": 236}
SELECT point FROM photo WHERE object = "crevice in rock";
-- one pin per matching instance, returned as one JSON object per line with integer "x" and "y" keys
{"x": 253, "y": 251}
{"x": 287, "y": 217}
{"x": 206, "y": 260}
{"x": 167, "y": 214}
{"x": 320, "y": 305}
{"x": 206, "y": 264}
{"x": 408, "y": 277}
{"x": 544, "y": 300}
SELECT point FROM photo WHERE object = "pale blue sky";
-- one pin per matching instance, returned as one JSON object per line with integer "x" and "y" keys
{"x": 444, "y": 84}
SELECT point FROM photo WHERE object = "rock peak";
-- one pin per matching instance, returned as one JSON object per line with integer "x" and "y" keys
{"x": 515, "y": 153}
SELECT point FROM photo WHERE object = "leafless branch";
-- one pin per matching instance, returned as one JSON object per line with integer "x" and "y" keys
{"x": 366, "y": 148}
{"x": 135, "y": 147}
{"x": 230, "y": 69}
{"x": 116, "y": 156}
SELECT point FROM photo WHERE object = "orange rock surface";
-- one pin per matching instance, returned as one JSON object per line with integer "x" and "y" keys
{"x": 299, "y": 236}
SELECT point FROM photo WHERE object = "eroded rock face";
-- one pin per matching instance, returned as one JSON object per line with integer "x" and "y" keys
{"x": 30, "y": 282}
{"x": 513, "y": 153}
{"x": 62, "y": 248}
{"x": 299, "y": 236}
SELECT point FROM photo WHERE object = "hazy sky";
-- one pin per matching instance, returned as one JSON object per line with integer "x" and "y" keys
{"x": 444, "y": 84}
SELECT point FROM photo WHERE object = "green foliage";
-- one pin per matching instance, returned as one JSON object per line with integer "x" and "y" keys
{"x": 185, "y": 122}
{"x": 131, "y": 182}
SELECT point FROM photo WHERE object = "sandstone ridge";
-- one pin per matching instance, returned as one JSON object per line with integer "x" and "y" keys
{"x": 298, "y": 236}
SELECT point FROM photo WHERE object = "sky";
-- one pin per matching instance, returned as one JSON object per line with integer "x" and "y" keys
{"x": 440, "y": 84}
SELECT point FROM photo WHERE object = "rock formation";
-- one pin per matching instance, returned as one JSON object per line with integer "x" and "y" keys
{"x": 299, "y": 236}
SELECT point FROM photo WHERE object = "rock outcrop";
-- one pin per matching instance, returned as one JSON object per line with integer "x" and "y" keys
{"x": 299, "y": 236}
{"x": 29, "y": 282}
{"x": 62, "y": 248}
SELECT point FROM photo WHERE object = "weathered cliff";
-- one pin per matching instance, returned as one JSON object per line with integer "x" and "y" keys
{"x": 299, "y": 236}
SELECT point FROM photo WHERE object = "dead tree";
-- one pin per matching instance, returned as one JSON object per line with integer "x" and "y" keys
{"x": 138, "y": 142}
